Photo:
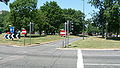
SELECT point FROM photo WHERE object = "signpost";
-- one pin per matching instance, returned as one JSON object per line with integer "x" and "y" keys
{"x": 12, "y": 32}
{"x": 24, "y": 32}
{"x": 11, "y": 29}
{"x": 12, "y": 36}
{"x": 31, "y": 30}
{"x": 66, "y": 33}
{"x": 62, "y": 33}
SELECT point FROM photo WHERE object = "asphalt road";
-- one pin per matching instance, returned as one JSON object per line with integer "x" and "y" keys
{"x": 47, "y": 56}
{"x": 42, "y": 56}
{"x": 101, "y": 58}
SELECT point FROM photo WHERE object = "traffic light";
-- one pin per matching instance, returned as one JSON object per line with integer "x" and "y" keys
{"x": 5, "y": 1}
{"x": 32, "y": 27}
{"x": 71, "y": 26}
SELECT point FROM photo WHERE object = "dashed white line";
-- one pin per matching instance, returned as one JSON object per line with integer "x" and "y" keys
{"x": 80, "y": 60}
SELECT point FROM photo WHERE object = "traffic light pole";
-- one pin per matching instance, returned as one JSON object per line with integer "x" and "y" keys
{"x": 68, "y": 32}
{"x": 65, "y": 35}
{"x": 66, "y": 39}
{"x": 30, "y": 33}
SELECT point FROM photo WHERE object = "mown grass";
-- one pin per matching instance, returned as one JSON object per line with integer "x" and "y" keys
{"x": 96, "y": 42}
{"x": 36, "y": 39}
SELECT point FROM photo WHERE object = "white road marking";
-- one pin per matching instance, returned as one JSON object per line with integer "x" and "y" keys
{"x": 99, "y": 49}
{"x": 89, "y": 49}
{"x": 102, "y": 55}
{"x": 80, "y": 60}
{"x": 102, "y": 64}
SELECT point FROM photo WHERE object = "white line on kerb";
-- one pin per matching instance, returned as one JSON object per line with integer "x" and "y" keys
{"x": 80, "y": 60}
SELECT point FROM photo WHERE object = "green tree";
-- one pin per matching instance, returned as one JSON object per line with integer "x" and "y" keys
{"x": 99, "y": 21}
{"x": 22, "y": 12}
{"x": 109, "y": 14}
{"x": 2, "y": 17}
{"x": 4, "y": 20}
{"x": 91, "y": 27}
{"x": 54, "y": 16}
{"x": 40, "y": 21}
{"x": 75, "y": 16}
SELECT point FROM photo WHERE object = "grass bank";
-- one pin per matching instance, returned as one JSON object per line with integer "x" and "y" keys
{"x": 36, "y": 40}
{"x": 96, "y": 42}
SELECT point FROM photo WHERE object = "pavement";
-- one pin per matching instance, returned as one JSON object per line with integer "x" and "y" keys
{"x": 50, "y": 55}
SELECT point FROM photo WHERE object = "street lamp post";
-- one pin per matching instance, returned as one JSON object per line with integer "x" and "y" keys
{"x": 83, "y": 20}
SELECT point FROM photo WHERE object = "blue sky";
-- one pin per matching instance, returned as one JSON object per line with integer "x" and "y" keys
{"x": 74, "y": 4}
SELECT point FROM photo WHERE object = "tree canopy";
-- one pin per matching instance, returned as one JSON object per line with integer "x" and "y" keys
{"x": 109, "y": 15}
{"x": 22, "y": 13}
{"x": 54, "y": 16}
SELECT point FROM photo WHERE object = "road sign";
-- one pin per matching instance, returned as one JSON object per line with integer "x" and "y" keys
{"x": 17, "y": 36}
{"x": 12, "y": 36}
{"x": 24, "y": 31}
{"x": 62, "y": 32}
{"x": 7, "y": 36}
{"x": 11, "y": 29}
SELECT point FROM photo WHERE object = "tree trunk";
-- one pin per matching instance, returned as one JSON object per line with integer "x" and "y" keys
{"x": 117, "y": 33}
{"x": 40, "y": 32}
{"x": 103, "y": 32}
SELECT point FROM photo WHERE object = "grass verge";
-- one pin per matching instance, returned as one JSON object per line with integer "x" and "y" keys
{"x": 36, "y": 39}
{"x": 96, "y": 42}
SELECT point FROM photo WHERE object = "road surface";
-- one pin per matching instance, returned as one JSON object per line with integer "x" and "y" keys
{"x": 49, "y": 56}
{"x": 101, "y": 58}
